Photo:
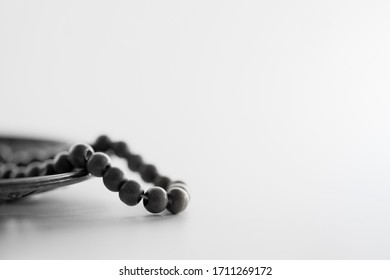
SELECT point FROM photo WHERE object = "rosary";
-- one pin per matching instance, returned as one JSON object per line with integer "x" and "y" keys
{"x": 31, "y": 166}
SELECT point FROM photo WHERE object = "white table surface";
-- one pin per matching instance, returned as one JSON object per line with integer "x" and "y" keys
{"x": 276, "y": 113}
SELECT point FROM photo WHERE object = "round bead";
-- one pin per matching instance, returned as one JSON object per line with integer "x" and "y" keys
{"x": 130, "y": 193}
{"x": 47, "y": 168}
{"x": 121, "y": 149}
{"x": 2, "y": 169}
{"x": 155, "y": 200}
{"x": 178, "y": 200}
{"x": 148, "y": 173}
{"x": 8, "y": 169}
{"x": 21, "y": 157}
{"x": 113, "y": 178}
{"x": 102, "y": 143}
{"x": 79, "y": 155}
{"x": 18, "y": 172}
{"x": 162, "y": 181}
{"x": 33, "y": 169}
{"x": 62, "y": 163}
{"x": 5, "y": 153}
{"x": 98, "y": 164}
{"x": 39, "y": 155}
{"x": 178, "y": 184}
{"x": 134, "y": 162}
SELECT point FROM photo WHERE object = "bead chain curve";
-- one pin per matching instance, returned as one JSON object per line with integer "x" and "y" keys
{"x": 165, "y": 194}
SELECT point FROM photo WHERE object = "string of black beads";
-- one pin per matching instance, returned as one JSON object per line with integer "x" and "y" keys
{"x": 12, "y": 170}
{"x": 148, "y": 172}
{"x": 167, "y": 194}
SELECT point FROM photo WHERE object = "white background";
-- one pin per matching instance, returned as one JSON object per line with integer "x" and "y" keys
{"x": 276, "y": 113}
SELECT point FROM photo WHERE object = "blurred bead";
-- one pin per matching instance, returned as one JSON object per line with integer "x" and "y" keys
{"x": 40, "y": 155}
{"x": 8, "y": 170}
{"x": 178, "y": 200}
{"x": 47, "y": 168}
{"x": 130, "y": 193}
{"x": 62, "y": 163}
{"x": 179, "y": 184}
{"x": 2, "y": 169}
{"x": 79, "y": 155}
{"x": 5, "y": 153}
{"x": 18, "y": 172}
{"x": 102, "y": 143}
{"x": 21, "y": 157}
{"x": 134, "y": 162}
{"x": 33, "y": 169}
{"x": 120, "y": 149}
{"x": 148, "y": 173}
{"x": 155, "y": 200}
{"x": 98, "y": 164}
{"x": 162, "y": 181}
{"x": 113, "y": 178}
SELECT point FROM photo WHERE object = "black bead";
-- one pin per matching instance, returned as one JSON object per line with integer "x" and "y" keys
{"x": 178, "y": 184}
{"x": 134, "y": 162}
{"x": 148, "y": 173}
{"x": 18, "y": 172}
{"x": 62, "y": 163}
{"x": 8, "y": 170}
{"x": 79, "y": 155}
{"x": 98, "y": 164}
{"x": 5, "y": 153}
{"x": 113, "y": 178}
{"x": 22, "y": 157}
{"x": 2, "y": 169}
{"x": 155, "y": 200}
{"x": 178, "y": 200}
{"x": 102, "y": 144}
{"x": 47, "y": 168}
{"x": 130, "y": 193}
{"x": 162, "y": 181}
{"x": 33, "y": 169}
{"x": 121, "y": 149}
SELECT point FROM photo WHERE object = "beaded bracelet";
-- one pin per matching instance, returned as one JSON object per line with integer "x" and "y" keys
{"x": 94, "y": 159}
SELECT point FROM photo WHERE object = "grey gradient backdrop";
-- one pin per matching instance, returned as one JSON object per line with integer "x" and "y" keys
{"x": 276, "y": 113}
